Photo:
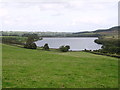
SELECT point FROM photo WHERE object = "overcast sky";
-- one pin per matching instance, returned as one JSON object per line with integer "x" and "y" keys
{"x": 58, "y": 15}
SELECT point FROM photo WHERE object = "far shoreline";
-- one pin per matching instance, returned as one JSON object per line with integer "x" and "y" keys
{"x": 68, "y": 37}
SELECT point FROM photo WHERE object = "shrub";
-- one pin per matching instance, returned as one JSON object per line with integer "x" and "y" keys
{"x": 64, "y": 48}
{"x": 67, "y": 46}
{"x": 33, "y": 46}
{"x": 30, "y": 46}
{"x": 87, "y": 50}
{"x": 46, "y": 47}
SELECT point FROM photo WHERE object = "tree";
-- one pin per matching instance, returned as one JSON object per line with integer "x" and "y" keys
{"x": 30, "y": 41}
{"x": 46, "y": 47}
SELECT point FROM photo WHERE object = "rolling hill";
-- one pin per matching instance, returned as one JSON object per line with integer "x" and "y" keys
{"x": 101, "y": 32}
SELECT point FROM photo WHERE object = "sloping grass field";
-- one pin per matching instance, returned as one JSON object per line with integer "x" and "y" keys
{"x": 26, "y": 68}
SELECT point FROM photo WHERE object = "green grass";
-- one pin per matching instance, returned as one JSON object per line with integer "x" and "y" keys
{"x": 0, "y": 66}
{"x": 13, "y": 39}
{"x": 25, "y": 68}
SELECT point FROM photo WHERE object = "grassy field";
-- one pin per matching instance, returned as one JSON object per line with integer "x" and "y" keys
{"x": 25, "y": 68}
{"x": 0, "y": 66}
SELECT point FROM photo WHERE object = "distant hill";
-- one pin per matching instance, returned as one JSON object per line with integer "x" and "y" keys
{"x": 110, "y": 31}
{"x": 82, "y": 32}
{"x": 116, "y": 28}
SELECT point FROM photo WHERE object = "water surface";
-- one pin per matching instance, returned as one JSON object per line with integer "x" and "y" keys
{"x": 76, "y": 44}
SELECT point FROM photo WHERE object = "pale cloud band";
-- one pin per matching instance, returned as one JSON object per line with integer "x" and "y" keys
{"x": 58, "y": 15}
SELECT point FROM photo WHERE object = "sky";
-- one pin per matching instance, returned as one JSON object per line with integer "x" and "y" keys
{"x": 58, "y": 15}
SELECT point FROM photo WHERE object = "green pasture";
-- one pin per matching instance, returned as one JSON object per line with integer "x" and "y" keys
{"x": 26, "y": 68}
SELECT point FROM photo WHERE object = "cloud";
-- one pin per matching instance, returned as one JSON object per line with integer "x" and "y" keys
{"x": 58, "y": 0}
{"x": 58, "y": 15}
{"x": 3, "y": 12}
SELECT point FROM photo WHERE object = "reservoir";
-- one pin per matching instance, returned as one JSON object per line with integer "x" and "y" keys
{"x": 75, "y": 43}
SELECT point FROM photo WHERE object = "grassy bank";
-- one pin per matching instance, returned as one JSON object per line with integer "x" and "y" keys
{"x": 26, "y": 68}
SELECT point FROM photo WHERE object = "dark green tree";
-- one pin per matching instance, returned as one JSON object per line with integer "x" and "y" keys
{"x": 30, "y": 41}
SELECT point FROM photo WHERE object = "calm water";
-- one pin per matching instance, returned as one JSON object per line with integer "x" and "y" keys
{"x": 75, "y": 44}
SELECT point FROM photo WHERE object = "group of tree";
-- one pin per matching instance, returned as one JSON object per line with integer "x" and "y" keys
{"x": 42, "y": 34}
{"x": 30, "y": 43}
{"x": 49, "y": 34}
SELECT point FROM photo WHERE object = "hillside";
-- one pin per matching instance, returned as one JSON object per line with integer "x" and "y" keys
{"x": 101, "y": 32}
{"x": 26, "y": 68}
{"x": 114, "y": 29}
{"x": 111, "y": 31}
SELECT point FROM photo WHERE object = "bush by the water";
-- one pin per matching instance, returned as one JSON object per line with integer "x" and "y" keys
{"x": 64, "y": 48}
{"x": 87, "y": 50}
{"x": 46, "y": 47}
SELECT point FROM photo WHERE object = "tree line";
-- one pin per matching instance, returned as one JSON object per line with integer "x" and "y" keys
{"x": 48, "y": 34}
